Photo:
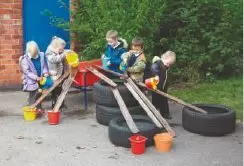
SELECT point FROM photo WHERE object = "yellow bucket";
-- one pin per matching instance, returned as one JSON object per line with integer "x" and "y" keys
{"x": 29, "y": 113}
{"x": 72, "y": 59}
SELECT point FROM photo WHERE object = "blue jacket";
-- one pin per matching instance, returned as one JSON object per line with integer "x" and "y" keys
{"x": 114, "y": 55}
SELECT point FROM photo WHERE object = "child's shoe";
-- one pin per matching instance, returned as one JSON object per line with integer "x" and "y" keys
{"x": 40, "y": 112}
{"x": 168, "y": 116}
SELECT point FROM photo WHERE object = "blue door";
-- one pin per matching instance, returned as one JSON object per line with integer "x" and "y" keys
{"x": 36, "y": 25}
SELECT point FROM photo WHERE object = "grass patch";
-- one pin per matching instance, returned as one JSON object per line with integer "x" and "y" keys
{"x": 227, "y": 92}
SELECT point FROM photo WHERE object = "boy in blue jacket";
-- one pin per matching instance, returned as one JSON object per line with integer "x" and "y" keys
{"x": 115, "y": 48}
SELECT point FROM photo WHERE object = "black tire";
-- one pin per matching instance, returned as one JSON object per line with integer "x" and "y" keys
{"x": 219, "y": 121}
{"x": 103, "y": 95}
{"x": 105, "y": 114}
{"x": 119, "y": 133}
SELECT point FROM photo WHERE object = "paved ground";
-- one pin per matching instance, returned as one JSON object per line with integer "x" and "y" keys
{"x": 80, "y": 141}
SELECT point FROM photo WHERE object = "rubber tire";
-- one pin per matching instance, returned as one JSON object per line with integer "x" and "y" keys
{"x": 119, "y": 133}
{"x": 105, "y": 114}
{"x": 103, "y": 95}
{"x": 219, "y": 121}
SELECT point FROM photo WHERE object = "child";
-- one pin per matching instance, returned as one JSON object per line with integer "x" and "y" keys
{"x": 115, "y": 48}
{"x": 56, "y": 62}
{"x": 134, "y": 61}
{"x": 33, "y": 66}
{"x": 159, "y": 68}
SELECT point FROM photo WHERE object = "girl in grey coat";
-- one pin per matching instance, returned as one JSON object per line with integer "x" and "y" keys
{"x": 56, "y": 63}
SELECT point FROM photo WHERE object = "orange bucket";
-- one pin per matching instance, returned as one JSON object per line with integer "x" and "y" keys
{"x": 163, "y": 142}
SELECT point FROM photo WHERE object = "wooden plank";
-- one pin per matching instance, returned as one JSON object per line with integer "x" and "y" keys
{"x": 66, "y": 85}
{"x": 157, "y": 91}
{"x": 65, "y": 88}
{"x": 125, "y": 112}
{"x": 109, "y": 71}
{"x": 103, "y": 77}
{"x": 174, "y": 99}
{"x": 152, "y": 108}
{"x": 43, "y": 96}
{"x": 143, "y": 105}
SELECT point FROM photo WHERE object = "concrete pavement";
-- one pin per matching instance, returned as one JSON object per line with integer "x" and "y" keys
{"x": 80, "y": 141}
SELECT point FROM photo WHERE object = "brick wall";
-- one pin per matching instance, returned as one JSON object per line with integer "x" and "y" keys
{"x": 11, "y": 41}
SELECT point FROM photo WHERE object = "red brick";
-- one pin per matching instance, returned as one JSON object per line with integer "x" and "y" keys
{"x": 2, "y": 67}
{"x": 16, "y": 16}
{"x": 8, "y": 37}
{"x": 7, "y": 51}
{"x": 15, "y": 56}
{"x": 7, "y": 1}
{"x": 17, "y": 22}
{"x": 17, "y": 6}
{"x": 18, "y": 46}
{"x": 17, "y": 1}
{"x": 6, "y": 11}
{"x": 7, "y": 22}
{"x": 6, "y": 5}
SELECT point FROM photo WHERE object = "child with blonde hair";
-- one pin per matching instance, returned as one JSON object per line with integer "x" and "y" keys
{"x": 160, "y": 66}
{"x": 56, "y": 55}
{"x": 115, "y": 48}
{"x": 33, "y": 67}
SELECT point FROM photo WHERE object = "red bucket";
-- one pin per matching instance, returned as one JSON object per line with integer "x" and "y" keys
{"x": 138, "y": 144}
{"x": 53, "y": 117}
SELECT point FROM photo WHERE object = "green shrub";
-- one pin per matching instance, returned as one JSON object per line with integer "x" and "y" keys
{"x": 92, "y": 19}
{"x": 206, "y": 35}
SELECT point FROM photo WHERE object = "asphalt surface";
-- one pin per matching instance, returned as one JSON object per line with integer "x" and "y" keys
{"x": 80, "y": 141}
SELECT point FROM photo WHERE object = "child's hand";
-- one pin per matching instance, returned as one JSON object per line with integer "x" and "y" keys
{"x": 44, "y": 91}
{"x": 157, "y": 77}
{"x": 129, "y": 69}
{"x": 38, "y": 79}
{"x": 108, "y": 63}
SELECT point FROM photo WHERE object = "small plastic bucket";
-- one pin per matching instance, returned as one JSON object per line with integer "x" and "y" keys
{"x": 163, "y": 142}
{"x": 138, "y": 144}
{"x": 72, "y": 59}
{"x": 53, "y": 117}
{"x": 152, "y": 82}
{"x": 29, "y": 113}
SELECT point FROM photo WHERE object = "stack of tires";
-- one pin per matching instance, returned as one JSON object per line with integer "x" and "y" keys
{"x": 107, "y": 107}
{"x": 109, "y": 113}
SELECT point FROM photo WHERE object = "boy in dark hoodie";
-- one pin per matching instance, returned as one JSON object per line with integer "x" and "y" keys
{"x": 159, "y": 68}
{"x": 115, "y": 48}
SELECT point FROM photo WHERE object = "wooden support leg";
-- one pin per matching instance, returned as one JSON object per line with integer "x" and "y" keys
{"x": 56, "y": 83}
{"x": 125, "y": 111}
{"x": 144, "y": 106}
{"x": 153, "y": 109}
{"x": 66, "y": 85}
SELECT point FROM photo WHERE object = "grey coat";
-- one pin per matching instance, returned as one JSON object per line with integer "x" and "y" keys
{"x": 55, "y": 63}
